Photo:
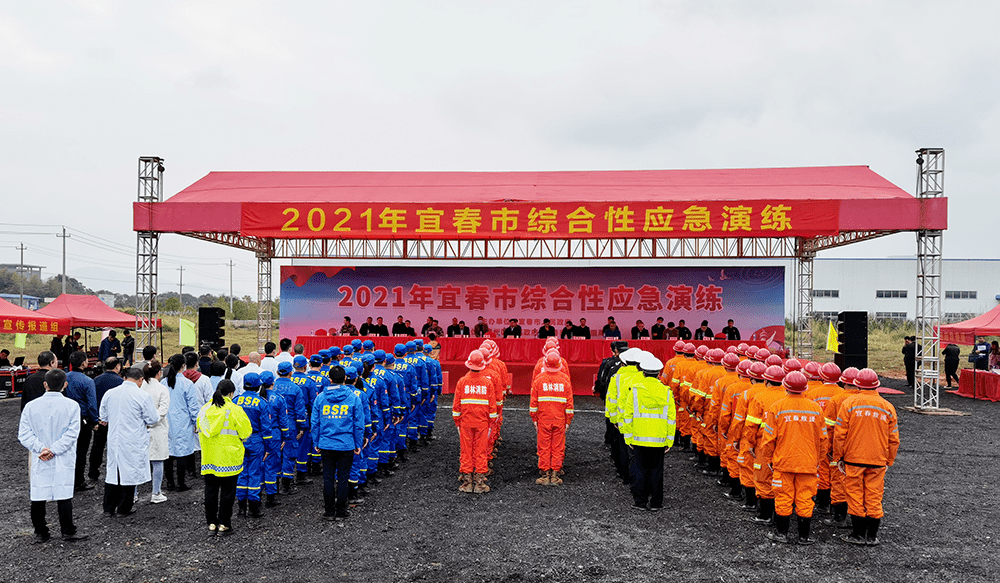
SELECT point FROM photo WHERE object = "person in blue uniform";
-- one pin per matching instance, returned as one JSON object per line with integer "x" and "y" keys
{"x": 436, "y": 378}
{"x": 258, "y": 410}
{"x": 373, "y": 387}
{"x": 335, "y": 355}
{"x": 338, "y": 431}
{"x": 281, "y": 432}
{"x": 390, "y": 413}
{"x": 357, "y": 346}
{"x": 408, "y": 372}
{"x": 295, "y": 409}
{"x": 309, "y": 392}
{"x": 355, "y": 495}
{"x": 368, "y": 346}
{"x": 423, "y": 386}
{"x": 325, "y": 365}
{"x": 402, "y": 401}
{"x": 322, "y": 380}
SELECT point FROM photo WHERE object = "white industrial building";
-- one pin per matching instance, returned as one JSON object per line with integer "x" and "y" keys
{"x": 886, "y": 288}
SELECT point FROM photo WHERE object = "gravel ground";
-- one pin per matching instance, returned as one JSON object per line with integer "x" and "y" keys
{"x": 940, "y": 523}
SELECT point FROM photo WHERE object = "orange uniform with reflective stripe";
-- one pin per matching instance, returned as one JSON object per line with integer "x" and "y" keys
{"x": 472, "y": 409}
{"x": 551, "y": 409}
{"x": 705, "y": 382}
{"x": 541, "y": 362}
{"x": 737, "y": 429}
{"x": 837, "y": 492}
{"x": 753, "y": 433}
{"x": 821, "y": 393}
{"x": 794, "y": 444}
{"x": 681, "y": 394}
{"x": 727, "y": 452}
{"x": 687, "y": 381}
{"x": 866, "y": 438}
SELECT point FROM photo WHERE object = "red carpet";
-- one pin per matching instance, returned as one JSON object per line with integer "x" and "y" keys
{"x": 888, "y": 391}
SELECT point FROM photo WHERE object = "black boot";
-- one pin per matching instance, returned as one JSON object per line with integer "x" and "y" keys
{"x": 713, "y": 466}
{"x": 286, "y": 486}
{"x": 839, "y": 518}
{"x": 765, "y": 511}
{"x": 859, "y": 527}
{"x": 353, "y": 496}
{"x": 430, "y": 434}
{"x": 780, "y": 532}
{"x": 393, "y": 464}
{"x": 401, "y": 456}
{"x": 872, "y": 531}
{"x": 302, "y": 479}
{"x": 272, "y": 501}
{"x": 805, "y": 523}
{"x": 750, "y": 504}
{"x": 822, "y": 501}
{"x": 736, "y": 489}
{"x": 255, "y": 511}
{"x": 242, "y": 507}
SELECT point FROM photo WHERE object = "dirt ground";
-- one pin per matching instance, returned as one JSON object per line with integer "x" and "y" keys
{"x": 940, "y": 525}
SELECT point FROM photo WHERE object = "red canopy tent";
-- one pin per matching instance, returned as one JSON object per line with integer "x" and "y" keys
{"x": 966, "y": 332}
{"x": 88, "y": 312}
{"x": 17, "y": 320}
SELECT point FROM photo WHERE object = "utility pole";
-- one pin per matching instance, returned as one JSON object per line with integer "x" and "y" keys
{"x": 231, "y": 289}
{"x": 181, "y": 286}
{"x": 64, "y": 236}
{"x": 21, "y": 273}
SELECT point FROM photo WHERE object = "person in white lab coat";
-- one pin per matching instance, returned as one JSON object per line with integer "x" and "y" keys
{"x": 127, "y": 411}
{"x": 158, "y": 448}
{"x": 184, "y": 406}
{"x": 49, "y": 428}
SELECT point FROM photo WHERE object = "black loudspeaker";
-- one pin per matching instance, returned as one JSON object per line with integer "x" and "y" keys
{"x": 852, "y": 336}
{"x": 211, "y": 327}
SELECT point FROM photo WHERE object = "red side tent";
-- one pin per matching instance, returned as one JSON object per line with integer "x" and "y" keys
{"x": 88, "y": 312}
{"x": 987, "y": 324}
{"x": 16, "y": 320}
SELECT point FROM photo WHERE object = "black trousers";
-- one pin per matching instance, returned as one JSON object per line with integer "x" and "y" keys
{"x": 181, "y": 464}
{"x": 609, "y": 431}
{"x": 82, "y": 444}
{"x": 951, "y": 371}
{"x": 65, "y": 517}
{"x": 220, "y": 494}
{"x": 647, "y": 476}
{"x": 336, "y": 471}
{"x": 118, "y": 499}
{"x": 624, "y": 456}
{"x": 911, "y": 369}
{"x": 97, "y": 451}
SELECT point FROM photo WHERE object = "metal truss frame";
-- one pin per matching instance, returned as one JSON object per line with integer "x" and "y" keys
{"x": 264, "y": 297}
{"x": 930, "y": 184}
{"x": 147, "y": 254}
{"x": 803, "y": 324}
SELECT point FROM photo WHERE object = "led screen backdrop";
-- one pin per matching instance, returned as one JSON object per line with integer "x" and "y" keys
{"x": 315, "y": 298}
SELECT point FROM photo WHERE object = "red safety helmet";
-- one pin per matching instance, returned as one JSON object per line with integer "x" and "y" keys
{"x": 550, "y": 342}
{"x": 866, "y": 379}
{"x": 791, "y": 364}
{"x": 795, "y": 382}
{"x": 716, "y": 355}
{"x": 741, "y": 348}
{"x": 811, "y": 370}
{"x": 731, "y": 350}
{"x": 750, "y": 352}
{"x": 491, "y": 346}
{"x": 553, "y": 362}
{"x": 773, "y": 360}
{"x": 847, "y": 377}
{"x": 487, "y": 355}
{"x": 688, "y": 348}
{"x": 476, "y": 361}
{"x": 830, "y": 372}
{"x": 679, "y": 346}
{"x": 774, "y": 374}
{"x": 761, "y": 354}
{"x": 701, "y": 351}
{"x": 743, "y": 367}
{"x": 757, "y": 370}
{"x": 731, "y": 361}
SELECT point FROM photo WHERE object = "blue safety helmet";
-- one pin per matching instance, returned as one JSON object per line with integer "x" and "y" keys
{"x": 315, "y": 360}
{"x": 325, "y": 353}
{"x": 251, "y": 380}
{"x": 379, "y": 355}
{"x": 356, "y": 344}
{"x": 411, "y": 346}
{"x": 419, "y": 342}
{"x": 428, "y": 348}
{"x": 335, "y": 351}
{"x": 367, "y": 359}
{"x": 348, "y": 350}
{"x": 284, "y": 368}
{"x": 300, "y": 361}
{"x": 351, "y": 372}
{"x": 266, "y": 378}
{"x": 369, "y": 345}
{"x": 399, "y": 349}
{"x": 389, "y": 359}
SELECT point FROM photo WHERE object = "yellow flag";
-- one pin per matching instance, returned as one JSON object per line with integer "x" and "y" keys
{"x": 188, "y": 336}
{"x": 20, "y": 340}
{"x": 831, "y": 339}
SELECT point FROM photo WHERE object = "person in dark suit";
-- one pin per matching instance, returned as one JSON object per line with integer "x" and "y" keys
{"x": 683, "y": 332}
{"x": 547, "y": 330}
{"x": 583, "y": 330}
{"x": 910, "y": 358}
{"x": 658, "y": 331}
{"x": 34, "y": 385}
{"x": 951, "y": 354}
{"x": 568, "y": 331}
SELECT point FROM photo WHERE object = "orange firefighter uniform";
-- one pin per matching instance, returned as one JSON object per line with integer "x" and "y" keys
{"x": 472, "y": 410}
{"x": 551, "y": 409}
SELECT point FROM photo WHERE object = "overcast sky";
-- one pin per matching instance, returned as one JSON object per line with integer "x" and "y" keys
{"x": 89, "y": 86}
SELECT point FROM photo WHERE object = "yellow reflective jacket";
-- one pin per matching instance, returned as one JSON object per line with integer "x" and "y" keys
{"x": 221, "y": 431}
{"x": 652, "y": 417}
